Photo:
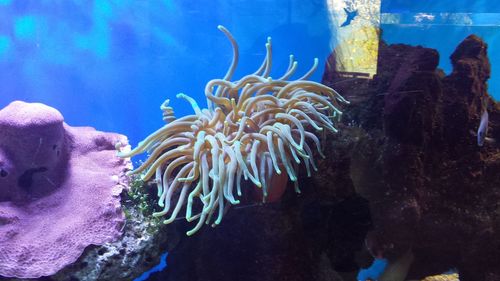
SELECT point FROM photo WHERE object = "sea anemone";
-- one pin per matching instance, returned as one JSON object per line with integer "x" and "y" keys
{"x": 253, "y": 128}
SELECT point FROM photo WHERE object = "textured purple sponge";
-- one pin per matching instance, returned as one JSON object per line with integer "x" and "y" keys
{"x": 59, "y": 190}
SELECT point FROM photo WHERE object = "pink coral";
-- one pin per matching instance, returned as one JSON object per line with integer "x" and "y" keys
{"x": 59, "y": 190}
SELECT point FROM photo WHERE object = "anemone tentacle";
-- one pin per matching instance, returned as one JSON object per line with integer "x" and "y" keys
{"x": 253, "y": 127}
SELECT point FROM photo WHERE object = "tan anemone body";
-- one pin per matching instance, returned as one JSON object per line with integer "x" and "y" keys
{"x": 253, "y": 128}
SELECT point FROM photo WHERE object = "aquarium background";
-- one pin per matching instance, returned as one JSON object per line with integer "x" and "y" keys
{"x": 442, "y": 24}
{"x": 110, "y": 64}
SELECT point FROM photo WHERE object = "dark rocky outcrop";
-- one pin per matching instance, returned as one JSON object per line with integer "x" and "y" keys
{"x": 432, "y": 189}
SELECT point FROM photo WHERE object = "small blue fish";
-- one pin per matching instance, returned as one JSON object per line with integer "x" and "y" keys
{"x": 482, "y": 131}
{"x": 350, "y": 17}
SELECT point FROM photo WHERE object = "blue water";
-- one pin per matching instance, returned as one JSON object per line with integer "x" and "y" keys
{"x": 374, "y": 271}
{"x": 445, "y": 38}
{"x": 157, "y": 268}
{"x": 110, "y": 64}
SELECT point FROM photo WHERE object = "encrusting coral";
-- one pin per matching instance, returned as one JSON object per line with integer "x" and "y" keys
{"x": 60, "y": 190}
{"x": 252, "y": 127}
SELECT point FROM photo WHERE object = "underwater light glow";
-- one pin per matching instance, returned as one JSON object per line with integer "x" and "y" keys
{"x": 103, "y": 8}
{"x": 97, "y": 40}
{"x": 357, "y": 37}
{"x": 4, "y": 45}
{"x": 5, "y": 2}
{"x": 24, "y": 27}
{"x": 169, "y": 4}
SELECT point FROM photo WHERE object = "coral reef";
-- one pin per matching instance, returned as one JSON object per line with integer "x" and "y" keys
{"x": 59, "y": 190}
{"x": 253, "y": 127}
{"x": 404, "y": 169}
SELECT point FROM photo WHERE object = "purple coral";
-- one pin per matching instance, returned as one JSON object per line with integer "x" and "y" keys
{"x": 59, "y": 190}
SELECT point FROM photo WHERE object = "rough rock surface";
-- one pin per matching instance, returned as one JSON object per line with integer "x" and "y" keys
{"x": 60, "y": 190}
{"x": 432, "y": 190}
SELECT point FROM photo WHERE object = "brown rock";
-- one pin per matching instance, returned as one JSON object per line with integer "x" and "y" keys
{"x": 431, "y": 189}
